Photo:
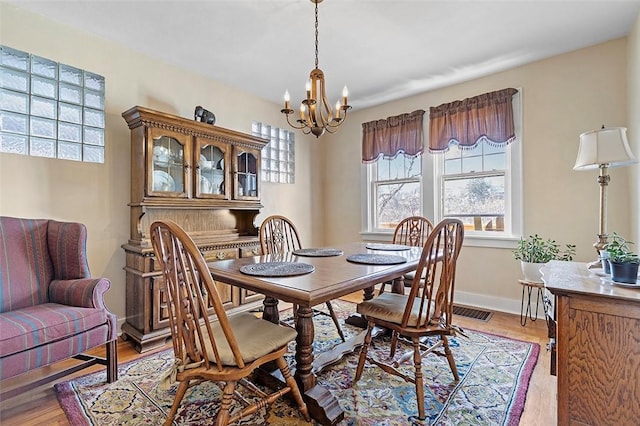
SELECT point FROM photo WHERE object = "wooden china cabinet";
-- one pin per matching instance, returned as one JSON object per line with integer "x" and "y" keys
{"x": 206, "y": 179}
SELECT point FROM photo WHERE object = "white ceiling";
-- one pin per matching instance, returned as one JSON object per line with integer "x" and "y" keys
{"x": 382, "y": 49}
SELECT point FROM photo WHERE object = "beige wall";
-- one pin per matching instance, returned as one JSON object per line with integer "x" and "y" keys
{"x": 633, "y": 73}
{"x": 97, "y": 194}
{"x": 562, "y": 97}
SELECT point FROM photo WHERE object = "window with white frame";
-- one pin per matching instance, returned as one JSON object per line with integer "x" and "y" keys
{"x": 392, "y": 170}
{"x": 482, "y": 185}
{"x": 278, "y": 156}
{"x": 395, "y": 190}
{"x": 49, "y": 109}
{"x": 472, "y": 186}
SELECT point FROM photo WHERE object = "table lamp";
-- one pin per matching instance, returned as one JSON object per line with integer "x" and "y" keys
{"x": 601, "y": 149}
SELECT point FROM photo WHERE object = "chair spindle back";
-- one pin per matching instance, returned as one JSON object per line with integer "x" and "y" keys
{"x": 278, "y": 235}
{"x": 412, "y": 231}
{"x": 191, "y": 292}
{"x": 437, "y": 266}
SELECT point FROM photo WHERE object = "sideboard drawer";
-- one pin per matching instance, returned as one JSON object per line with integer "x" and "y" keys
{"x": 221, "y": 254}
{"x": 250, "y": 251}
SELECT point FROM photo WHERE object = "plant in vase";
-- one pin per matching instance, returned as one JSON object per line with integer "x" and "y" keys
{"x": 534, "y": 252}
{"x": 624, "y": 262}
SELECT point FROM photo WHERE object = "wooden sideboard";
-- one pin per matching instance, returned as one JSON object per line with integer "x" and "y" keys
{"x": 598, "y": 347}
{"x": 206, "y": 179}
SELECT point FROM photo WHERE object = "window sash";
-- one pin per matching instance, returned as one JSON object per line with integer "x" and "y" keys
{"x": 476, "y": 221}
{"x": 375, "y": 189}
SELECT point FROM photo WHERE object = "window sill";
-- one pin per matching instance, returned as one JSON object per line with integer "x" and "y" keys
{"x": 491, "y": 241}
{"x": 470, "y": 239}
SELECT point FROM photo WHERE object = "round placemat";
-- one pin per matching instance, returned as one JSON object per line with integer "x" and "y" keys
{"x": 318, "y": 252}
{"x": 376, "y": 259}
{"x": 387, "y": 247}
{"x": 277, "y": 269}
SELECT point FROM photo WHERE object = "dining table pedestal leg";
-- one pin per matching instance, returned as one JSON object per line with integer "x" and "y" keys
{"x": 323, "y": 405}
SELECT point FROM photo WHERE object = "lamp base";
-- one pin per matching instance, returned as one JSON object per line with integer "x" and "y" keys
{"x": 596, "y": 264}
{"x": 601, "y": 242}
{"x": 599, "y": 245}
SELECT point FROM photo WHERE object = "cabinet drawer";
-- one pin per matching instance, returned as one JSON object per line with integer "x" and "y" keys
{"x": 221, "y": 254}
{"x": 250, "y": 251}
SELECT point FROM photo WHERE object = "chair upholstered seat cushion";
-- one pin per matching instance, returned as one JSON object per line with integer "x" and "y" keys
{"x": 390, "y": 307}
{"x": 38, "y": 325}
{"x": 256, "y": 338}
{"x": 409, "y": 276}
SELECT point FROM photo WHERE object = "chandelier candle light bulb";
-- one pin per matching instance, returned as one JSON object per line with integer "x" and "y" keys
{"x": 287, "y": 98}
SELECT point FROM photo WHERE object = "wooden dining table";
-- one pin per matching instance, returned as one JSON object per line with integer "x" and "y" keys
{"x": 331, "y": 278}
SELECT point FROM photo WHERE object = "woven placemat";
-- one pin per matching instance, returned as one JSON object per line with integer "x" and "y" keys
{"x": 376, "y": 259}
{"x": 318, "y": 252}
{"x": 277, "y": 269}
{"x": 387, "y": 247}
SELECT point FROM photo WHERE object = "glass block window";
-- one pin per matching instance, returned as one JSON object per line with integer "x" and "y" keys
{"x": 49, "y": 109}
{"x": 278, "y": 157}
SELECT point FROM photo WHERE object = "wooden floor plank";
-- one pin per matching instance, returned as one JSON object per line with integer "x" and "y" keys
{"x": 41, "y": 406}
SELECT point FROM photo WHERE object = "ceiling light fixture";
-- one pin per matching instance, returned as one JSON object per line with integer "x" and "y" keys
{"x": 316, "y": 115}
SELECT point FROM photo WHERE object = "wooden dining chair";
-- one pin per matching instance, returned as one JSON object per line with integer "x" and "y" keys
{"x": 423, "y": 312}
{"x": 411, "y": 231}
{"x": 225, "y": 351}
{"x": 279, "y": 235}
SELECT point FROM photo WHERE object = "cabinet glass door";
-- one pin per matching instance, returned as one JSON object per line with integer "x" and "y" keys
{"x": 168, "y": 166}
{"x": 211, "y": 167}
{"x": 247, "y": 164}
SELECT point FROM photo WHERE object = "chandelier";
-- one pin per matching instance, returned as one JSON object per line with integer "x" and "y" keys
{"x": 316, "y": 115}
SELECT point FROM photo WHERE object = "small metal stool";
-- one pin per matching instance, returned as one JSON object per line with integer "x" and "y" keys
{"x": 528, "y": 286}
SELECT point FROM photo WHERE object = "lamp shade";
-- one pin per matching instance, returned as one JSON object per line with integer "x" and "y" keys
{"x": 604, "y": 146}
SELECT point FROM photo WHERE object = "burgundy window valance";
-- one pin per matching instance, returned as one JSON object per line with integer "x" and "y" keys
{"x": 388, "y": 137}
{"x": 484, "y": 117}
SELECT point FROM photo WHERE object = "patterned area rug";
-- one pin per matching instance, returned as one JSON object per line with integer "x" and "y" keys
{"x": 494, "y": 377}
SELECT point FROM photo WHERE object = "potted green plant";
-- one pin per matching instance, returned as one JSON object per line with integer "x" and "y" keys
{"x": 534, "y": 251}
{"x": 624, "y": 262}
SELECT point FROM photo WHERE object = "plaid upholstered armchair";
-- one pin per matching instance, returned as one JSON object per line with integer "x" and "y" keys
{"x": 50, "y": 307}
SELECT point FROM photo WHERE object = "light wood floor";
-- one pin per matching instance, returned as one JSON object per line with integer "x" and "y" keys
{"x": 40, "y": 407}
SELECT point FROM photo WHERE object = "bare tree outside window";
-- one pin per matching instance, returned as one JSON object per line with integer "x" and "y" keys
{"x": 473, "y": 186}
{"x": 397, "y": 187}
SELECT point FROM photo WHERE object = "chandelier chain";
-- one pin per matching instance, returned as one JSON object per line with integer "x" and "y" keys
{"x": 316, "y": 35}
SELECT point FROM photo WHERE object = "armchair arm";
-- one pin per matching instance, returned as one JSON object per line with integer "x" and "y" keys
{"x": 84, "y": 293}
